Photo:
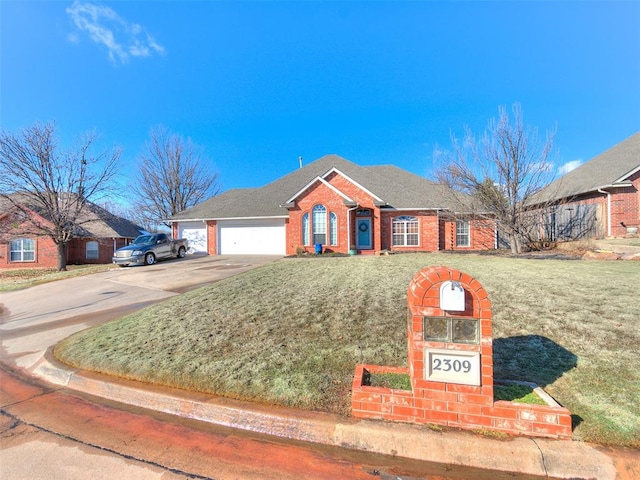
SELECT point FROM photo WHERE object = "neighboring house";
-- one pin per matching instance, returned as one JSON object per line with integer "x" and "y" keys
{"x": 338, "y": 204}
{"x": 598, "y": 199}
{"x": 99, "y": 235}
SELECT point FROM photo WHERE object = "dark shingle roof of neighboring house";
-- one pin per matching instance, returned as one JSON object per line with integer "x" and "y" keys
{"x": 393, "y": 187}
{"x": 609, "y": 169}
{"x": 95, "y": 222}
{"x": 101, "y": 223}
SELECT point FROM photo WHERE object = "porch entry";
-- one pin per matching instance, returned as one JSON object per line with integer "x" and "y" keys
{"x": 363, "y": 233}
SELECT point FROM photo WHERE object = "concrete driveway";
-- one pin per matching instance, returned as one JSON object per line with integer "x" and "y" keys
{"x": 182, "y": 274}
{"x": 36, "y": 318}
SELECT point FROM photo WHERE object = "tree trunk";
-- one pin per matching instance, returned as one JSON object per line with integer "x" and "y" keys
{"x": 514, "y": 242}
{"x": 62, "y": 257}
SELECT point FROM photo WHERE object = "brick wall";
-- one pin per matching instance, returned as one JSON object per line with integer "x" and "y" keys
{"x": 432, "y": 230}
{"x": 77, "y": 250}
{"x": 482, "y": 235}
{"x": 446, "y": 403}
{"x": 625, "y": 207}
{"x": 212, "y": 237}
{"x": 427, "y": 225}
{"x": 46, "y": 253}
{"x": 321, "y": 194}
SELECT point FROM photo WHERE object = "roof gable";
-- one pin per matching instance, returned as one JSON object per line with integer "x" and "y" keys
{"x": 325, "y": 183}
{"x": 94, "y": 221}
{"x": 388, "y": 185}
{"x": 611, "y": 168}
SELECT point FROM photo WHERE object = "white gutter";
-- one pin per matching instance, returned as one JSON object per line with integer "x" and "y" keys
{"x": 608, "y": 194}
{"x": 226, "y": 218}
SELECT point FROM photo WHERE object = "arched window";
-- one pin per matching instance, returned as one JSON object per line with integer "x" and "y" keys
{"x": 319, "y": 224}
{"x": 405, "y": 232}
{"x": 333, "y": 229}
{"x": 92, "y": 251}
{"x": 305, "y": 229}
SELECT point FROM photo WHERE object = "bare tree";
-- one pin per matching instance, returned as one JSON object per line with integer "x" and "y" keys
{"x": 172, "y": 176}
{"x": 499, "y": 172}
{"x": 37, "y": 177}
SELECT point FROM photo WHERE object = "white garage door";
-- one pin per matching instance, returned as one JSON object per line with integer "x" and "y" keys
{"x": 196, "y": 233}
{"x": 266, "y": 237}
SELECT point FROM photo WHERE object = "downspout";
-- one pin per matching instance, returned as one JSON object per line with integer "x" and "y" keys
{"x": 608, "y": 194}
{"x": 349, "y": 227}
{"x": 438, "y": 223}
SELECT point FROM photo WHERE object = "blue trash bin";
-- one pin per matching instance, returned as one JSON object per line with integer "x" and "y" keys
{"x": 318, "y": 248}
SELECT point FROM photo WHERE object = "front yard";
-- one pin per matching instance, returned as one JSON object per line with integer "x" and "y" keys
{"x": 19, "y": 278}
{"x": 292, "y": 332}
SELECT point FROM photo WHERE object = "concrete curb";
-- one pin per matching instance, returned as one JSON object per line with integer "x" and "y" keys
{"x": 552, "y": 458}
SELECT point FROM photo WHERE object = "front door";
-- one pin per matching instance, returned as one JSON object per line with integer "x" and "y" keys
{"x": 363, "y": 233}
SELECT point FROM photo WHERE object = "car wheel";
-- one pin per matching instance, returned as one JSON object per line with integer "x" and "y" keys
{"x": 181, "y": 252}
{"x": 149, "y": 259}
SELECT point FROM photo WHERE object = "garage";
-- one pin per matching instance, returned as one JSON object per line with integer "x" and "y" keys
{"x": 259, "y": 237}
{"x": 196, "y": 233}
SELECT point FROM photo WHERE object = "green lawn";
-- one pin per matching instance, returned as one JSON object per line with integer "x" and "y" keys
{"x": 292, "y": 332}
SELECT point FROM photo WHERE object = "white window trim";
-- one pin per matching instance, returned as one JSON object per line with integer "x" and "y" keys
{"x": 467, "y": 226}
{"x": 319, "y": 227}
{"x": 97, "y": 250}
{"x": 22, "y": 250}
{"x": 306, "y": 229}
{"x": 333, "y": 229}
{"x": 404, "y": 220}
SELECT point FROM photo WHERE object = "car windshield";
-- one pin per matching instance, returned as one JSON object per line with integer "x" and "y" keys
{"x": 143, "y": 239}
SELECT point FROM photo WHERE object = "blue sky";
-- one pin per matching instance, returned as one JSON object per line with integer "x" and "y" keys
{"x": 258, "y": 84}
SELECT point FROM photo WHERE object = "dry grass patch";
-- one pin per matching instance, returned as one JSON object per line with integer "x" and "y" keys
{"x": 19, "y": 278}
{"x": 292, "y": 332}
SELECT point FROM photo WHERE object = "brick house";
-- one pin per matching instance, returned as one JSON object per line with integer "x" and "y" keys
{"x": 100, "y": 234}
{"x": 338, "y": 204}
{"x": 601, "y": 198}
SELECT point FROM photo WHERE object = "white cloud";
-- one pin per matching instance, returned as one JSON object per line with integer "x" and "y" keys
{"x": 567, "y": 167}
{"x": 104, "y": 26}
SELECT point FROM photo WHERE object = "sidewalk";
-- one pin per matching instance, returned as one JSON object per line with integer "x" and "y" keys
{"x": 547, "y": 458}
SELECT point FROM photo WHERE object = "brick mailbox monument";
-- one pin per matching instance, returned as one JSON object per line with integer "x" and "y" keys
{"x": 451, "y": 366}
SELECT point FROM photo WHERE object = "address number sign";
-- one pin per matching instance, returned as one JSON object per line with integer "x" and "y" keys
{"x": 452, "y": 366}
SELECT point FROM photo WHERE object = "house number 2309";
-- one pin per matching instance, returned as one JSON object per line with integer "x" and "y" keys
{"x": 452, "y": 366}
{"x": 448, "y": 365}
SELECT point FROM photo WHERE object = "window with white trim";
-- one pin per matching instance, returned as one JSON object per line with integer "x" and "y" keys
{"x": 319, "y": 217}
{"x": 92, "y": 250}
{"x": 463, "y": 239}
{"x": 22, "y": 250}
{"x": 305, "y": 229}
{"x": 333, "y": 228}
{"x": 405, "y": 231}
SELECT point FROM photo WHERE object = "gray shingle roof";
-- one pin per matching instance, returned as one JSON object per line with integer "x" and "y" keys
{"x": 95, "y": 221}
{"x": 395, "y": 187}
{"x": 609, "y": 168}
{"x": 101, "y": 223}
